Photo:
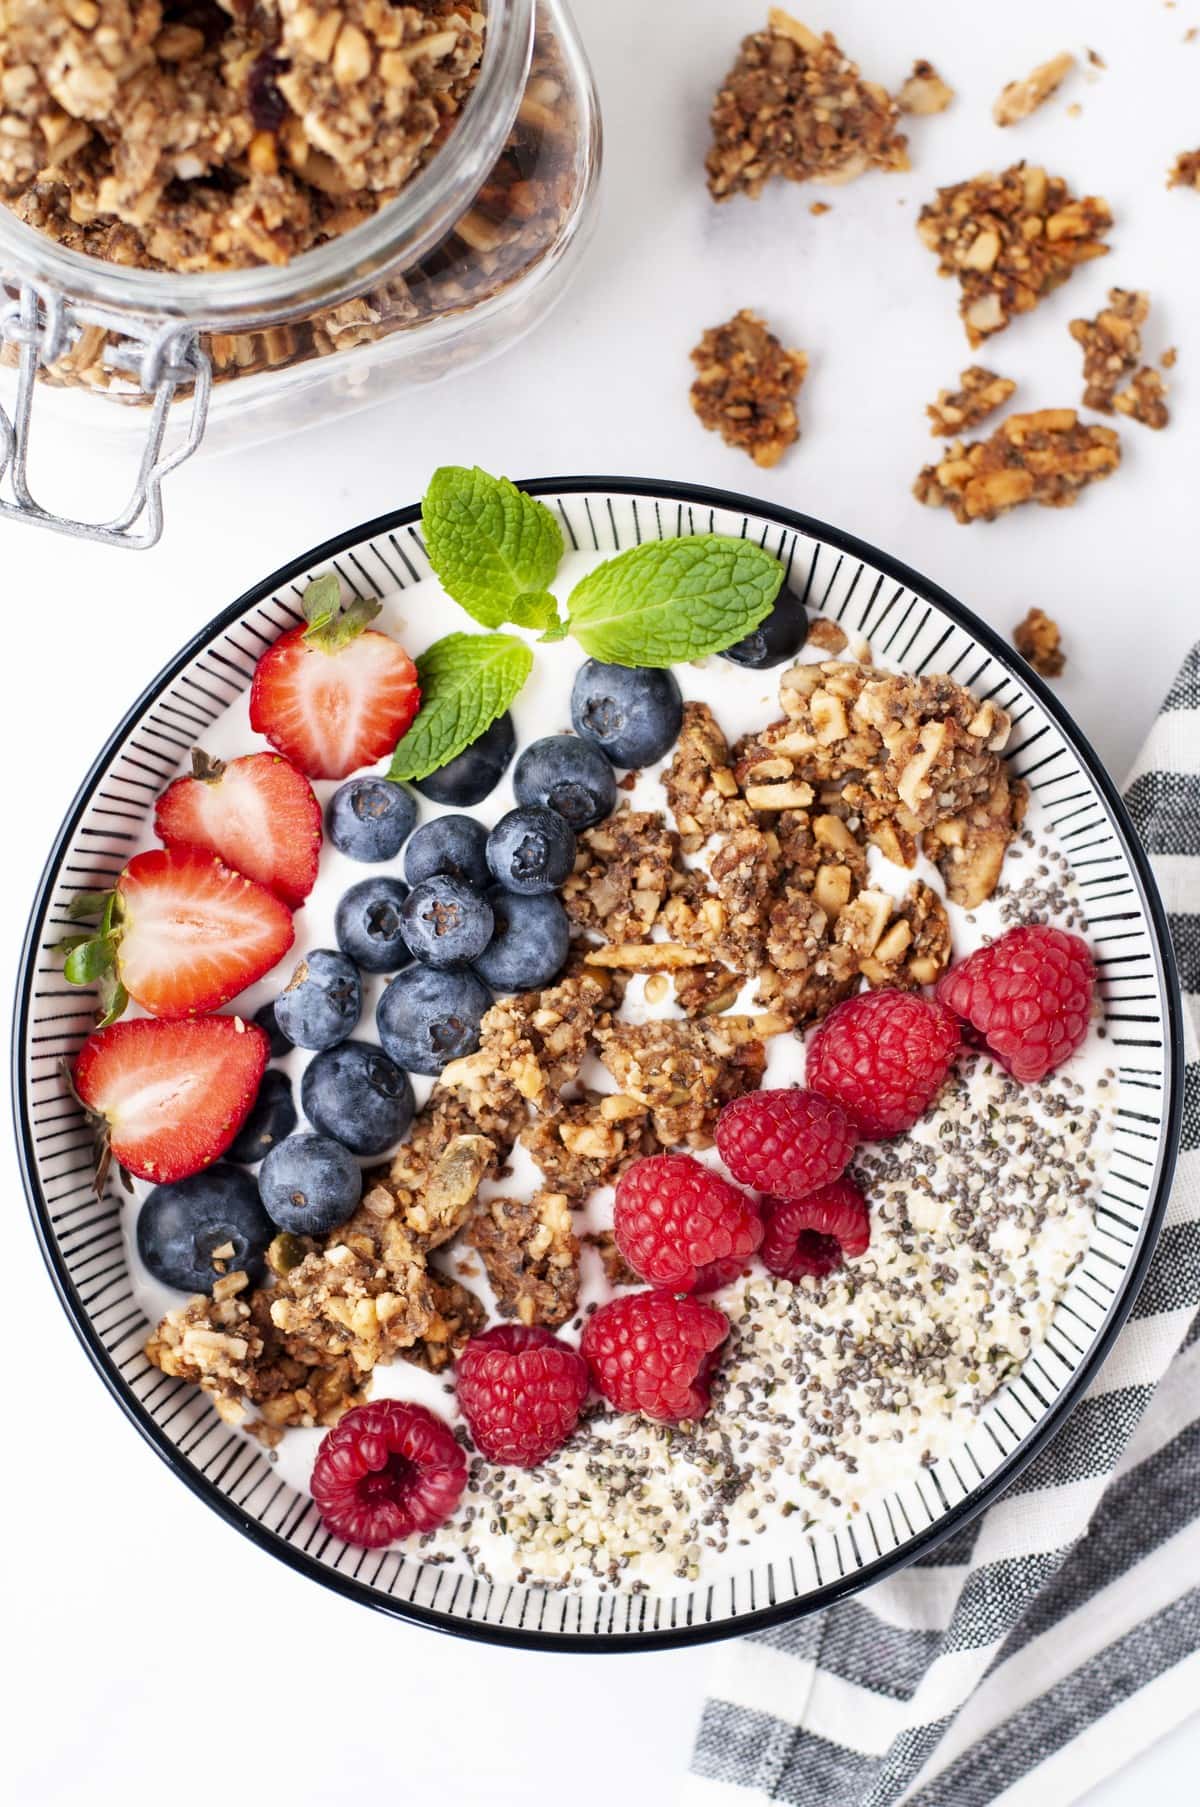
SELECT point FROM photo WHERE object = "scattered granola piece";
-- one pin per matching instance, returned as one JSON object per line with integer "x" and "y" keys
{"x": 1169, "y": 357}
{"x": 794, "y": 105}
{"x": 914, "y": 947}
{"x": 1018, "y": 100}
{"x": 826, "y": 636}
{"x": 924, "y": 92}
{"x": 982, "y": 392}
{"x": 1045, "y": 457}
{"x": 1144, "y": 399}
{"x": 623, "y": 871}
{"x": 1039, "y": 641}
{"x": 968, "y": 849}
{"x": 1112, "y": 345}
{"x": 1185, "y": 171}
{"x": 746, "y": 387}
{"x": 617, "y": 1270}
{"x": 458, "y": 1315}
{"x": 1096, "y": 60}
{"x": 531, "y": 1255}
{"x": 817, "y": 208}
{"x": 1010, "y": 239}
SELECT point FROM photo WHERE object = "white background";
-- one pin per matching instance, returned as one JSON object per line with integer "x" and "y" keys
{"x": 158, "y": 1655}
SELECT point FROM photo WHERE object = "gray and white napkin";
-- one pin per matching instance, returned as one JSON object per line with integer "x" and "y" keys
{"x": 1050, "y": 1641}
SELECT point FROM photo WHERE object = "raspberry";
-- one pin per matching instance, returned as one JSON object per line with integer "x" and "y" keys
{"x": 651, "y": 1352}
{"x": 788, "y": 1142}
{"x": 814, "y": 1235}
{"x": 681, "y": 1226}
{"x": 386, "y": 1470}
{"x": 520, "y": 1390}
{"x": 1029, "y": 995}
{"x": 884, "y": 1056}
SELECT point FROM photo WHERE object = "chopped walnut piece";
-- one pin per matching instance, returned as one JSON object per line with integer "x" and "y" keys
{"x": 794, "y": 105}
{"x": 684, "y": 1072}
{"x": 746, "y": 387}
{"x": 1018, "y": 100}
{"x": 537, "y": 1040}
{"x": 1045, "y": 457}
{"x": 982, "y": 392}
{"x": 458, "y": 1315}
{"x": 1010, "y": 239}
{"x": 700, "y": 784}
{"x": 1039, "y": 641}
{"x": 617, "y": 1270}
{"x": 968, "y": 849}
{"x": 1185, "y": 171}
{"x": 924, "y": 92}
{"x": 1144, "y": 399}
{"x": 531, "y": 1255}
{"x": 1112, "y": 345}
{"x": 623, "y": 871}
{"x": 589, "y": 1143}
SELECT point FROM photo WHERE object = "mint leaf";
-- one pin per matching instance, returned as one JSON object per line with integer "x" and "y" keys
{"x": 671, "y": 600}
{"x": 466, "y": 680}
{"x": 494, "y": 549}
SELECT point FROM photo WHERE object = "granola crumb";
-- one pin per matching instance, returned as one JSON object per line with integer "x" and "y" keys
{"x": 981, "y": 393}
{"x": 1185, "y": 171}
{"x": 1170, "y": 357}
{"x": 1018, "y": 100}
{"x": 1144, "y": 399}
{"x": 795, "y": 106}
{"x": 1112, "y": 345}
{"x": 1096, "y": 60}
{"x": 746, "y": 387}
{"x": 1010, "y": 239}
{"x": 1075, "y": 110}
{"x": 819, "y": 207}
{"x": 1039, "y": 641}
{"x": 1046, "y": 457}
{"x": 826, "y": 636}
{"x": 924, "y": 92}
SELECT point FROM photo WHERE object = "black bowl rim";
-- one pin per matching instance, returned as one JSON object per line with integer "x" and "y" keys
{"x": 764, "y": 1617}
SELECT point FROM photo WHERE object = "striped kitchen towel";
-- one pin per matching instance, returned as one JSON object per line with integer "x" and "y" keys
{"x": 1058, "y": 1635}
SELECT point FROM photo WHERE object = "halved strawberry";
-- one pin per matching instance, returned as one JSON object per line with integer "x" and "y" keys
{"x": 173, "y": 1095}
{"x": 258, "y": 813}
{"x": 182, "y": 934}
{"x": 334, "y": 695}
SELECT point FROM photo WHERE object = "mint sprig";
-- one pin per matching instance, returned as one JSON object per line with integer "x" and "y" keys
{"x": 671, "y": 600}
{"x": 494, "y": 549}
{"x": 467, "y": 680}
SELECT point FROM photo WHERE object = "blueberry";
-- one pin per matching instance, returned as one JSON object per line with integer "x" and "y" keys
{"x": 323, "y": 1000}
{"x": 777, "y": 638}
{"x": 529, "y": 943}
{"x": 370, "y": 819}
{"x": 450, "y": 844}
{"x": 428, "y": 1018}
{"x": 265, "y": 1018}
{"x": 368, "y": 924}
{"x": 310, "y": 1185}
{"x": 569, "y": 775}
{"x": 180, "y": 1227}
{"x": 355, "y": 1094}
{"x": 633, "y": 715}
{"x": 476, "y": 771}
{"x": 445, "y": 922}
{"x": 531, "y": 850}
{"x": 272, "y": 1117}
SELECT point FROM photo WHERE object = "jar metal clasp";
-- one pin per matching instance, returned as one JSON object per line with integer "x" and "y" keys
{"x": 157, "y": 356}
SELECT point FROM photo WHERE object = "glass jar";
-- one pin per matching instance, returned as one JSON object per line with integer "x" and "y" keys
{"x": 467, "y": 258}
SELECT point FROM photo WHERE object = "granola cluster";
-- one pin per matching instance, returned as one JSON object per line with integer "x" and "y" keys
{"x": 1045, "y": 457}
{"x": 746, "y": 387}
{"x": 1039, "y": 642}
{"x": 1010, "y": 239}
{"x": 924, "y": 92}
{"x": 795, "y": 106}
{"x": 1114, "y": 379}
{"x": 1185, "y": 171}
{"x": 981, "y": 393}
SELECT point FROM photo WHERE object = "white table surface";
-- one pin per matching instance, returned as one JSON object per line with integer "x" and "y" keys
{"x": 160, "y": 1657}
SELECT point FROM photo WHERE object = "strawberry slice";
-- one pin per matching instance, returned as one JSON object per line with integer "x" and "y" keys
{"x": 171, "y": 1095}
{"x": 258, "y": 813}
{"x": 334, "y": 695}
{"x": 181, "y": 934}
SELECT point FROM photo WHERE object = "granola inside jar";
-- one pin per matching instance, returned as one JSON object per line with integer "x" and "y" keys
{"x": 344, "y": 197}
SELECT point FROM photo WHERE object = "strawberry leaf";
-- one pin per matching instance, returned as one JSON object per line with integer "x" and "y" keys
{"x": 90, "y": 960}
{"x": 86, "y": 904}
{"x": 330, "y": 625}
{"x": 114, "y": 1000}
